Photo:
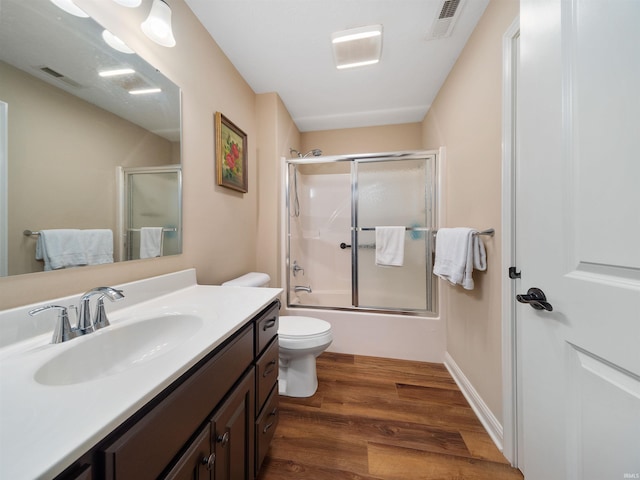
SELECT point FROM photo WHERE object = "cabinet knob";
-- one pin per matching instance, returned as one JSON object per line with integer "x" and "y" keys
{"x": 209, "y": 461}
{"x": 223, "y": 439}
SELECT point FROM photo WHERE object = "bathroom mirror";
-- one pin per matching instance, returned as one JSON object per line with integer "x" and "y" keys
{"x": 70, "y": 129}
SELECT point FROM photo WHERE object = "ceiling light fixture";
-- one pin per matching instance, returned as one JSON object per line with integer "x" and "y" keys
{"x": 116, "y": 72}
{"x": 115, "y": 43}
{"x": 129, "y": 3}
{"x": 357, "y": 47}
{"x": 157, "y": 26}
{"x": 70, "y": 7}
{"x": 144, "y": 91}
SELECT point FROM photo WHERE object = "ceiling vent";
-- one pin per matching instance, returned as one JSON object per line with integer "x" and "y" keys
{"x": 55, "y": 75}
{"x": 449, "y": 14}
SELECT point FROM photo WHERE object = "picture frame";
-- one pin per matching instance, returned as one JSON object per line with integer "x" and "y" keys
{"x": 231, "y": 154}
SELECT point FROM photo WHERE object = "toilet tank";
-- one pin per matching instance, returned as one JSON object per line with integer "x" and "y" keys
{"x": 251, "y": 279}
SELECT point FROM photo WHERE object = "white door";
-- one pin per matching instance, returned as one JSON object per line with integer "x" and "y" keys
{"x": 578, "y": 233}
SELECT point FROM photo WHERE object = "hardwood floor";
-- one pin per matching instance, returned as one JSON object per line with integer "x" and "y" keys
{"x": 382, "y": 419}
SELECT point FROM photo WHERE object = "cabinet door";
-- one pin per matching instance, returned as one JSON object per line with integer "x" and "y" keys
{"x": 265, "y": 427}
{"x": 234, "y": 434}
{"x": 197, "y": 462}
{"x": 266, "y": 374}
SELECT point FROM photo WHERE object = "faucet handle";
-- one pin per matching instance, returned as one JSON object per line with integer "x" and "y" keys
{"x": 100, "y": 320}
{"x": 63, "y": 330}
{"x": 85, "y": 324}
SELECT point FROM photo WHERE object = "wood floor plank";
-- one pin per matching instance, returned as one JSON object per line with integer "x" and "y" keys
{"x": 377, "y": 372}
{"x": 431, "y": 395}
{"x": 396, "y": 463}
{"x": 481, "y": 446}
{"x": 406, "y": 434}
{"x": 278, "y": 469}
{"x": 326, "y": 448}
{"x": 382, "y": 419}
{"x": 372, "y": 406}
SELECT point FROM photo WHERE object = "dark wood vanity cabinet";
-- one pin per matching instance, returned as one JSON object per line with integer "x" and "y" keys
{"x": 213, "y": 423}
{"x": 266, "y": 405}
{"x": 224, "y": 449}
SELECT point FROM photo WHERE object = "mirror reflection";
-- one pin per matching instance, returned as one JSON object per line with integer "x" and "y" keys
{"x": 73, "y": 126}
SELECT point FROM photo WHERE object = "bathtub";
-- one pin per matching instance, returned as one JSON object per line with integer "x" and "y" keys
{"x": 389, "y": 335}
{"x": 322, "y": 298}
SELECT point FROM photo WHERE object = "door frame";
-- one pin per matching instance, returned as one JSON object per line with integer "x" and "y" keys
{"x": 4, "y": 193}
{"x": 510, "y": 385}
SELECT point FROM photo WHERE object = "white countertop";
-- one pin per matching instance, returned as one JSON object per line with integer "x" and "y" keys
{"x": 45, "y": 428}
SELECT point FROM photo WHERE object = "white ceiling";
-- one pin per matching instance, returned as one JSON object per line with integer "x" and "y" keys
{"x": 284, "y": 46}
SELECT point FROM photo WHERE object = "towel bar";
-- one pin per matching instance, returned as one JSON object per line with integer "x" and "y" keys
{"x": 168, "y": 229}
{"x": 489, "y": 231}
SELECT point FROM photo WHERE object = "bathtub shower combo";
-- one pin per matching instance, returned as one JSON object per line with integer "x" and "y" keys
{"x": 334, "y": 205}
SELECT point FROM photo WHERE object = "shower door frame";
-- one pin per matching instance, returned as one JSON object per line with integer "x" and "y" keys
{"x": 122, "y": 175}
{"x": 430, "y": 229}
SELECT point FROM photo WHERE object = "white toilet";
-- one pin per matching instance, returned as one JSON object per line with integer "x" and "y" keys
{"x": 301, "y": 340}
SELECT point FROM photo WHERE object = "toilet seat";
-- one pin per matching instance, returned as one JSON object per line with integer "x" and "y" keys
{"x": 295, "y": 326}
{"x": 295, "y": 332}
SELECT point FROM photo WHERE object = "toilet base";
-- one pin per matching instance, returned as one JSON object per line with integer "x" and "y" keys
{"x": 297, "y": 377}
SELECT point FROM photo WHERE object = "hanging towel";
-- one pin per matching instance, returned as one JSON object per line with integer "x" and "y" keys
{"x": 98, "y": 245}
{"x": 151, "y": 242}
{"x": 458, "y": 252}
{"x": 61, "y": 248}
{"x": 390, "y": 246}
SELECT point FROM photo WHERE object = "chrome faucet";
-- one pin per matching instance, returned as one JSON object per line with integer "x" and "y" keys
{"x": 302, "y": 288}
{"x": 100, "y": 320}
{"x": 64, "y": 331}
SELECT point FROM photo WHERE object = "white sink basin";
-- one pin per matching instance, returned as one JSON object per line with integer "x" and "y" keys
{"x": 118, "y": 348}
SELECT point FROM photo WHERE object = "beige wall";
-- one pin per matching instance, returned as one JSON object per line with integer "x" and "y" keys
{"x": 220, "y": 225}
{"x": 63, "y": 155}
{"x": 466, "y": 119}
{"x": 386, "y": 138}
{"x": 277, "y": 133}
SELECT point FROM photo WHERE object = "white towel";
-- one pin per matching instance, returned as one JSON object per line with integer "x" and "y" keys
{"x": 61, "y": 248}
{"x": 458, "y": 252}
{"x": 98, "y": 245}
{"x": 151, "y": 242}
{"x": 390, "y": 246}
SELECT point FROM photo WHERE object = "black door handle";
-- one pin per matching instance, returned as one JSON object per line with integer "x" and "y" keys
{"x": 344, "y": 245}
{"x": 536, "y": 298}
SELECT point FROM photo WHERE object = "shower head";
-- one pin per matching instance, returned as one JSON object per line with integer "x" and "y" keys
{"x": 316, "y": 152}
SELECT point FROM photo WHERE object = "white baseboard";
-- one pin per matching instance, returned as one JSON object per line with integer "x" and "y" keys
{"x": 486, "y": 417}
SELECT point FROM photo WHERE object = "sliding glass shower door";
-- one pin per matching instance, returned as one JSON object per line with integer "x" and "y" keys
{"x": 151, "y": 197}
{"x": 335, "y": 205}
{"x": 392, "y": 193}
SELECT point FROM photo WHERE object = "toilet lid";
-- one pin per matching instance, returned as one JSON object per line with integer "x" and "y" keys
{"x": 299, "y": 327}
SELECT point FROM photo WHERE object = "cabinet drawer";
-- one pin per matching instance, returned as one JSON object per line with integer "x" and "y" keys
{"x": 148, "y": 446}
{"x": 266, "y": 426}
{"x": 266, "y": 328}
{"x": 266, "y": 373}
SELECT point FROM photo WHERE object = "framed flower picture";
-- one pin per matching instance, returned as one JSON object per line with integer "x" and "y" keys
{"x": 231, "y": 154}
